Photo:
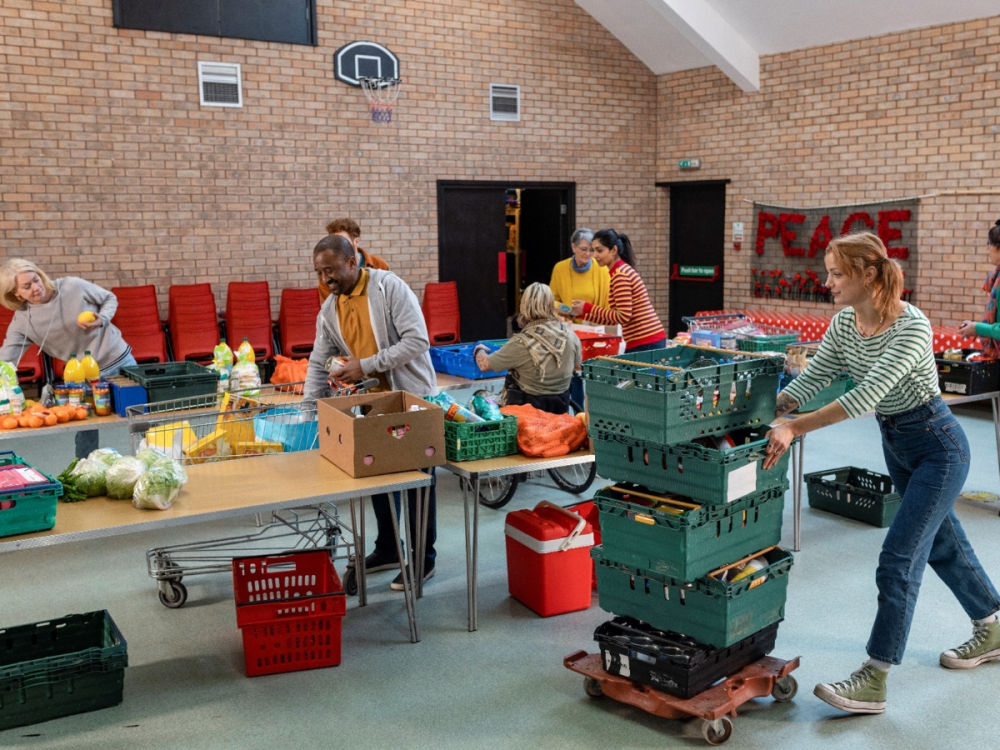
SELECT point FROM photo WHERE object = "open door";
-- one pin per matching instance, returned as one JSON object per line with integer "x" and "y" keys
{"x": 472, "y": 251}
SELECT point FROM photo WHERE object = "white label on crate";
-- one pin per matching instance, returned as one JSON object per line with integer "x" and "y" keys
{"x": 955, "y": 388}
{"x": 742, "y": 482}
{"x": 625, "y": 671}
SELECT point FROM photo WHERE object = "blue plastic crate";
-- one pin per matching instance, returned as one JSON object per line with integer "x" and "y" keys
{"x": 458, "y": 360}
{"x": 289, "y": 426}
{"x": 126, "y": 393}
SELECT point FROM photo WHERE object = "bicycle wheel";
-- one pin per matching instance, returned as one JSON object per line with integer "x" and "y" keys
{"x": 577, "y": 478}
{"x": 496, "y": 492}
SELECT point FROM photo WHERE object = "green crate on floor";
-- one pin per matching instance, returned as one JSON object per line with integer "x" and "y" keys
{"x": 712, "y": 394}
{"x": 469, "y": 441}
{"x": 854, "y": 493}
{"x": 60, "y": 667}
{"x": 708, "y": 610}
{"x": 685, "y": 544}
{"x": 167, "y": 381}
{"x": 706, "y": 475}
{"x": 29, "y": 509}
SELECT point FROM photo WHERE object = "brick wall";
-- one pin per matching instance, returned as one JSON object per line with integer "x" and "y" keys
{"x": 889, "y": 117}
{"x": 111, "y": 170}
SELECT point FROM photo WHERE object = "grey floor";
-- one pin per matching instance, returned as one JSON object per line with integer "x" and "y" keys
{"x": 503, "y": 686}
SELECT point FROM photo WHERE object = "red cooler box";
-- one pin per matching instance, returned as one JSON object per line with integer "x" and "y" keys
{"x": 548, "y": 559}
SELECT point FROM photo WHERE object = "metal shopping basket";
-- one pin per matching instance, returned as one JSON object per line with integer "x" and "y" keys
{"x": 738, "y": 332}
{"x": 227, "y": 427}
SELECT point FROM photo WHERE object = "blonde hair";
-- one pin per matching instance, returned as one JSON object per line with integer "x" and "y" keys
{"x": 538, "y": 303}
{"x": 855, "y": 253}
{"x": 8, "y": 281}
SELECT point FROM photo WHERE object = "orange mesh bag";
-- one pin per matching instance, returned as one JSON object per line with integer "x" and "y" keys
{"x": 544, "y": 435}
{"x": 287, "y": 370}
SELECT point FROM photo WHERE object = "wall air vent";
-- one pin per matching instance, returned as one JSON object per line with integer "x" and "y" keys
{"x": 505, "y": 102}
{"x": 220, "y": 85}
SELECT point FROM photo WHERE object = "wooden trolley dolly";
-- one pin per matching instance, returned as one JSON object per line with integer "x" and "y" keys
{"x": 715, "y": 706}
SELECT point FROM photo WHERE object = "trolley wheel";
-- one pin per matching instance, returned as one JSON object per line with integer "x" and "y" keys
{"x": 351, "y": 581}
{"x": 167, "y": 568}
{"x": 784, "y": 689}
{"x": 593, "y": 688}
{"x": 178, "y": 595}
{"x": 712, "y": 737}
{"x": 496, "y": 492}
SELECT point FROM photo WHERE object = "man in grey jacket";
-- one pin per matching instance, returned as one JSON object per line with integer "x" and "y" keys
{"x": 372, "y": 320}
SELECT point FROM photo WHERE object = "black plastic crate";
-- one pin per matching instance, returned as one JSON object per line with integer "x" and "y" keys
{"x": 860, "y": 494}
{"x": 968, "y": 378}
{"x": 672, "y": 662}
{"x": 167, "y": 381}
{"x": 60, "y": 667}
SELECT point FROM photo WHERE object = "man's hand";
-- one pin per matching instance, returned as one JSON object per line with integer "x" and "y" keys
{"x": 351, "y": 371}
{"x": 481, "y": 354}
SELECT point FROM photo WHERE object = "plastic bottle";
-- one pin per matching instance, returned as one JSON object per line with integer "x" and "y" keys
{"x": 90, "y": 369}
{"x": 245, "y": 352}
{"x": 73, "y": 371}
{"x": 222, "y": 355}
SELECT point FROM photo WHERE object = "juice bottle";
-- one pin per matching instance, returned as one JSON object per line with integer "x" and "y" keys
{"x": 245, "y": 352}
{"x": 90, "y": 369}
{"x": 222, "y": 355}
{"x": 73, "y": 372}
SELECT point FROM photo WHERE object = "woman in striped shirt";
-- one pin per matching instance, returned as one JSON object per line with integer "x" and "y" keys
{"x": 885, "y": 345}
{"x": 629, "y": 304}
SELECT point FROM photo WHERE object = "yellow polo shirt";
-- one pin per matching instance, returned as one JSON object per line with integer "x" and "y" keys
{"x": 356, "y": 325}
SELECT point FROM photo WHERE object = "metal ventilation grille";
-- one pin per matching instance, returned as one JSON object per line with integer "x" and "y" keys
{"x": 220, "y": 84}
{"x": 505, "y": 102}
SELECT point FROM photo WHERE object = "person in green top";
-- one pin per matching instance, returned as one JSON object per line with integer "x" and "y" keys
{"x": 885, "y": 344}
{"x": 989, "y": 329}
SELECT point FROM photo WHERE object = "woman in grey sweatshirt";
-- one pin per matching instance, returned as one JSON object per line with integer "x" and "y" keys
{"x": 46, "y": 313}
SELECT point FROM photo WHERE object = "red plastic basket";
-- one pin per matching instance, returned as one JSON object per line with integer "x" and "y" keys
{"x": 289, "y": 609}
{"x": 597, "y": 345}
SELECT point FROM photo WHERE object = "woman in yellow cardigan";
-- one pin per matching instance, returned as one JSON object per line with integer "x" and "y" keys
{"x": 579, "y": 277}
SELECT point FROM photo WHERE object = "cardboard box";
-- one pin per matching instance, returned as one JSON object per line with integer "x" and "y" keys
{"x": 387, "y": 439}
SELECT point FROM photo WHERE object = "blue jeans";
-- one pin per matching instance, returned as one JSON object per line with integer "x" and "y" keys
{"x": 662, "y": 343}
{"x": 928, "y": 458}
{"x": 385, "y": 541}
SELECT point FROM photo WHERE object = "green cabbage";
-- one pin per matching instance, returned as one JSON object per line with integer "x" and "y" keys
{"x": 106, "y": 456}
{"x": 122, "y": 476}
{"x": 156, "y": 489}
{"x": 174, "y": 467}
{"x": 149, "y": 456}
{"x": 89, "y": 477}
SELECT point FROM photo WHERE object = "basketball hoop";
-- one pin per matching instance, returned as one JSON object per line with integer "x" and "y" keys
{"x": 381, "y": 94}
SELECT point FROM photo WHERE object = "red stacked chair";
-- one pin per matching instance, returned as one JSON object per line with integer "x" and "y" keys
{"x": 248, "y": 316}
{"x": 30, "y": 368}
{"x": 193, "y": 322}
{"x": 297, "y": 321}
{"x": 138, "y": 318}
{"x": 440, "y": 308}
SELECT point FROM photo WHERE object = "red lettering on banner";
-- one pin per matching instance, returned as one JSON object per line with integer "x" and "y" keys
{"x": 887, "y": 233}
{"x": 767, "y": 226}
{"x": 854, "y": 218}
{"x": 821, "y": 237}
{"x": 788, "y": 236}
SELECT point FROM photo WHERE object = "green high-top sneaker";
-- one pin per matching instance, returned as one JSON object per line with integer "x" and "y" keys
{"x": 862, "y": 693}
{"x": 983, "y": 646}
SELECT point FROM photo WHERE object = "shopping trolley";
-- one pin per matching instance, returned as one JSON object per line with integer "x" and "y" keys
{"x": 738, "y": 332}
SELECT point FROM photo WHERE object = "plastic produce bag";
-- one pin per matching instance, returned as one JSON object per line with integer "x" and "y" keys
{"x": 156, "y": 489}
{"x": 89, "y": 477}
{"x": 149, "y": 456}
{"x": 106, "y": 456}
{"x": 122, "y": 476}
{"x": 174, "y": 468}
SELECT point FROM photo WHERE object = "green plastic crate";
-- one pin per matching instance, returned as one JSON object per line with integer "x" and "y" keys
{"x": 708, "y": 610}
{"x": 830, "y": 393}
{"x": 34, "y": 509}
{"x": 166, "y": 381}
{"x": 691, "y": 544}
{"x": 854, "y": 493}
{"x": 766, "y": 343}
{"x": 708, "y": 397}
{"x": 465, "y": 441}
{"x": 706, "y": 475}
{"x": 60, "y": 667}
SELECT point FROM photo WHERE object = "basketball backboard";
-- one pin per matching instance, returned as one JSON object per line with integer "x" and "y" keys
{"x": 358, "y": 60}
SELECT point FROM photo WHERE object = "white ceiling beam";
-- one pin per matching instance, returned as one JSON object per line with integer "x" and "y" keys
{"x": 712, "y": 35}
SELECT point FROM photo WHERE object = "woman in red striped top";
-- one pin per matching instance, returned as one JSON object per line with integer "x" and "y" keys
{"x": 629, "y": 304}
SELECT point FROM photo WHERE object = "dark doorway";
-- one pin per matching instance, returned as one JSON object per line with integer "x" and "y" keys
{"x": 495, "y": 238}
{"x": 697, "y": 249}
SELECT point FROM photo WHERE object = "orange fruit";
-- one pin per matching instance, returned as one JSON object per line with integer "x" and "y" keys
{"x": 8, "y": 423}
{"x": 35, "y": 421}
{"x": 23, "y": 420}
{"x": 36, "y": 409}
{"x": 50, "y": 419}
{"x": 80, "y": 414}
{"x": 86, "y": 317}
{"x": 62, "y": 413}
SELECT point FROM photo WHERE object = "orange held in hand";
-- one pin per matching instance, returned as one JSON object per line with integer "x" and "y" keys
{"x": 86, "y": 317}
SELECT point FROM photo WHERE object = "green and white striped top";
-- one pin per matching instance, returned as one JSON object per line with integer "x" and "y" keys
{"x": 894, "y": 371}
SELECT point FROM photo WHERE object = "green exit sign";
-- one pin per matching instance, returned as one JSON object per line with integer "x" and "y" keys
{"x": 689, "y": 163}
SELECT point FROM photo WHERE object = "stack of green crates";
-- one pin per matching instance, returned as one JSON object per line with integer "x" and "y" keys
{"x": 684, "y": 509}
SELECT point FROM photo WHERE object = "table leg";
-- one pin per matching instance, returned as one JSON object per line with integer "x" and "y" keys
{"x": 358, "y": 527}
{"x": 475, "y": 556}
{"x": 797, "y": 462}
{"x": 423, "y": 499}
{"x": 996, "y": 423}
{"x": 466, "y": 483}
{"x": 405, "y": 567}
